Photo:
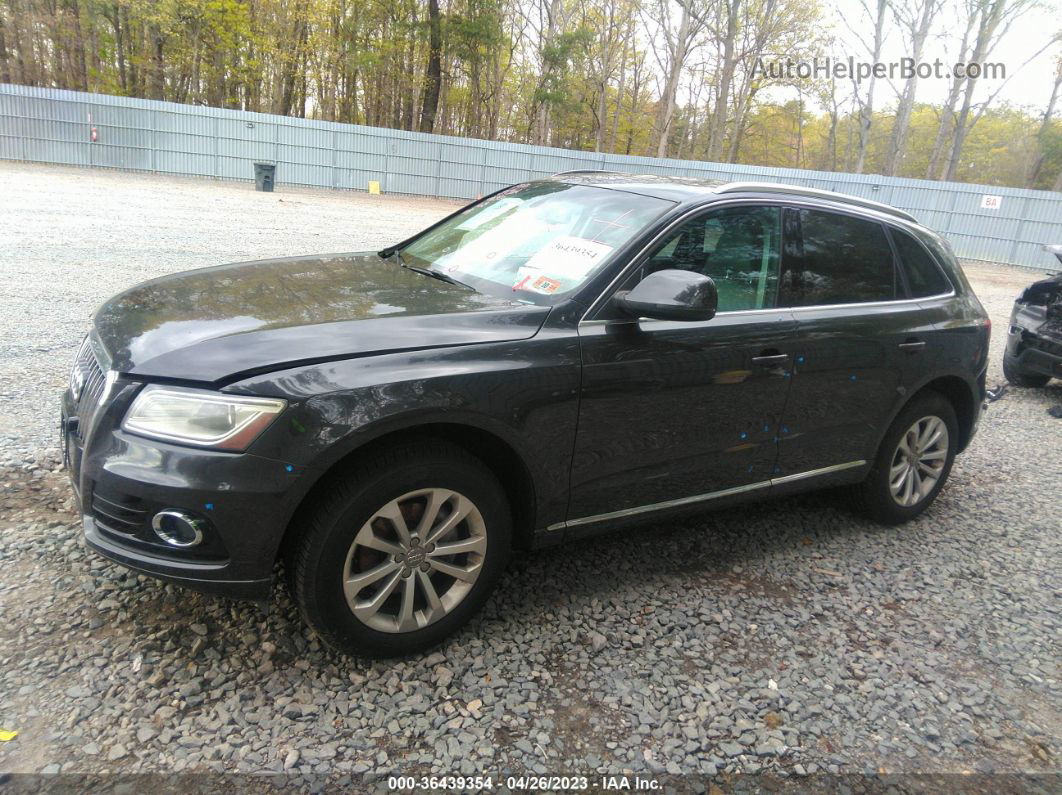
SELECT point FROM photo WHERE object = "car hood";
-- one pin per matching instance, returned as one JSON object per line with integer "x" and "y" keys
{"x": 217, "y": 324}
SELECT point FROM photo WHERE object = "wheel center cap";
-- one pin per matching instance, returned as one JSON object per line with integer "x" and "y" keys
{"x": 415, "y": 557}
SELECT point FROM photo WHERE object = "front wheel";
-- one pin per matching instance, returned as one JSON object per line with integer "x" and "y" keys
{"x": 913, "y": 462}
{"x": 404, "y": 551}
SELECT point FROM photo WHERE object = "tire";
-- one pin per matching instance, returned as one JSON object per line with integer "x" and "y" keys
{"x": 875, "y": 496}
{"x": 355, "y": 534}
{"x": 1014, "y": 373}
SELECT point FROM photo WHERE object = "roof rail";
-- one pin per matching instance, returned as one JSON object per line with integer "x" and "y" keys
{"x": 843, "y": 198}
{"x": 586, "y": 171}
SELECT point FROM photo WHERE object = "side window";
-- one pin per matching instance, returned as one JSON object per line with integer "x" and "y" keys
{"x": 923, "y": 274}
{"x": 838, "y": 259}
{"x": 738, "y": 247}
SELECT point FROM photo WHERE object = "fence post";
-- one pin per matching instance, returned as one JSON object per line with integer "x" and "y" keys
{"x": 335, "y": 153}
{"x": 1017, "y": 241}
{"x": 387, "y": 165}
{"x": 276, "y": 145}
{"x": 91, "y": 122}
{"x": 438, "y": 168}
{"x": 20, "y": 118}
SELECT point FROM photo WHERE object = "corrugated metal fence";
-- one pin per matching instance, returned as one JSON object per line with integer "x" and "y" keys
{"x": 54, "y": 126}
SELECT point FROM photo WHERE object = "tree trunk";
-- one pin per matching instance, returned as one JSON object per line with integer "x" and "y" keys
{"x": 5, "y": 69}
{"x": 901, "y": 125}
{"x": 1045, "y": 126}
{"x": 866, "y": 111}
{"x": 717, "y": 128}
{"x": 80, "y": 64}
{"x": 991, "y": 13}
{"x": 619, "y": 97}
{"x": 157, "y": 64}
{"x": 433, "y": 71}
{"x": 678, "y": 60}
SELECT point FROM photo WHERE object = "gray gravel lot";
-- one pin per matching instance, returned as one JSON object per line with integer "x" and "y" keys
{"x": 787, "y": 636}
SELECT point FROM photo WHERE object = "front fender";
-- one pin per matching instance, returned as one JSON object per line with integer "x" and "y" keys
{"x": 524, "y": 394}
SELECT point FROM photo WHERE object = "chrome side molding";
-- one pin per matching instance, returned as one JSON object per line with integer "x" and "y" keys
{"x": 711, "y": 495}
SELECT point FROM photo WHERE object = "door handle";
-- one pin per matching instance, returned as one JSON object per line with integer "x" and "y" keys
{"x": 770, "y": 359}
{"x": 912, "y": 345}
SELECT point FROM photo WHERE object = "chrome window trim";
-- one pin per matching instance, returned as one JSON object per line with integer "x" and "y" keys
{"x": 859, "y": 212}
{"x": 793, "y": 309}
{"x": 711, "y": 495}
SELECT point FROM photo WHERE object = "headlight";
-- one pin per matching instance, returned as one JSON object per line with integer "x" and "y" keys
{"x": 206, "y": 419}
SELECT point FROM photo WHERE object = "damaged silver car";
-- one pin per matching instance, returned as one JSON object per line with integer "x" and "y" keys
{"x": 1034, "y": 341}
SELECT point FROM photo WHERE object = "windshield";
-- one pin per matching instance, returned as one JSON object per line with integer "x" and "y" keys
{"x": 536, "y": 242}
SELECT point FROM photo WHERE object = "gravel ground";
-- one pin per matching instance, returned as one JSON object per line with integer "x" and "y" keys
{"x": 786, "y": 637}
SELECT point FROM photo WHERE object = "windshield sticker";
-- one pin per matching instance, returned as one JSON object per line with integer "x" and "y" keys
{"x": 569, "y": 257}
{"x": 538, "y": 284}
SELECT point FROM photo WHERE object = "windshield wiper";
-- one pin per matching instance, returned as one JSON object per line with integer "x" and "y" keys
{"x": 443, "y": 277}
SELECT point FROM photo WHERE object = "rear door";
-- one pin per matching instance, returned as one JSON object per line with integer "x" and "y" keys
{"x": 860, "y": 341}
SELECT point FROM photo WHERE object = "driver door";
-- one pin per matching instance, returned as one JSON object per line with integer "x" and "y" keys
{"x": 684, "y": 412}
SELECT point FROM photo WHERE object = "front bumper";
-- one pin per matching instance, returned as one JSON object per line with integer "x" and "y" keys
{"x": 1034, "y": 352}
{"x": 122, "y": 481}
{"x": 202, "y": 577}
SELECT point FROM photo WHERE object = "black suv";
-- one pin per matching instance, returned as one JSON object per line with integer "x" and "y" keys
{"x": 559, "y": 358}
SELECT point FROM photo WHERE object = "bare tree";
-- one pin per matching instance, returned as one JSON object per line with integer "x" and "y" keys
{"x": 993, "y": 21}
{"x": 916, "y": 18}
{"x": 678, "y": 41}
{"x": 1045, "y": 126}
{"x": 433, "y": 71}
{"x": 947, "y": 115}
{"x": 876, "y": 11}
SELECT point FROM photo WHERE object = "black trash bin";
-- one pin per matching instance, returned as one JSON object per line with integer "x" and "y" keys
{"x": 263, "y": 176}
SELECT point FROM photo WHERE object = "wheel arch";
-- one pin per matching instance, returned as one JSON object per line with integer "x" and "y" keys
{"x": 961, "y": 396}
{"x": 500, "y": 456}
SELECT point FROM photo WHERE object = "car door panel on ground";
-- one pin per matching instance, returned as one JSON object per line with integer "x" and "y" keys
{"x": 672, "y": 410}
{"x": 860, "y": 344}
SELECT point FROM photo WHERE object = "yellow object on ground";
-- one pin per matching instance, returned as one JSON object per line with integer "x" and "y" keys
{"x": 374, "y": 187}
{"x": 7, "y": 735}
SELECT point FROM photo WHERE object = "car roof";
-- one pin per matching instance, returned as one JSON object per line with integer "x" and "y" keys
{"x": 688, "y": 190}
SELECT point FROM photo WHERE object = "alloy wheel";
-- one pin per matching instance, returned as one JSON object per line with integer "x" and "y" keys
{"x": 919, "y": 461}
{"x": 414, "y": 560}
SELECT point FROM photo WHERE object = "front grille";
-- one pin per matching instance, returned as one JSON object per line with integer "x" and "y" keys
{"x": 93, "y": 380}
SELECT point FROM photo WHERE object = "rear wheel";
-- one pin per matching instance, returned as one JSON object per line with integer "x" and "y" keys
{"x": 404, "y": 552}
{"x": 913, "y": 462}
{"x": 1013, "y": 372}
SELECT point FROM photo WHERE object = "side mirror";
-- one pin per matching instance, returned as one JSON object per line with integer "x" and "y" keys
{"x": 671, "y": 295}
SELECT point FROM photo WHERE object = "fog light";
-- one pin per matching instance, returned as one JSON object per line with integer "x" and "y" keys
{"x": 178, "y": 529}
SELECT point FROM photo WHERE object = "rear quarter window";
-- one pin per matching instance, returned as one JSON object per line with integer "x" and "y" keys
{"x": 924, "y": 276}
